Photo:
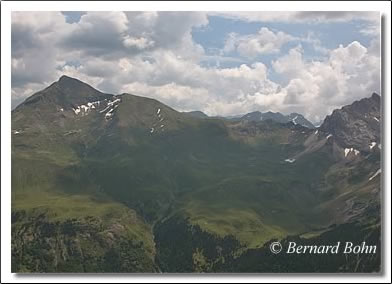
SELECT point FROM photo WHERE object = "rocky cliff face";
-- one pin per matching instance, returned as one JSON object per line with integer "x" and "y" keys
{"x": 356, "y": 125}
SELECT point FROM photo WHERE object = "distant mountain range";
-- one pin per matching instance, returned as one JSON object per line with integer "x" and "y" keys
{"x": 294, "y": 118}
{"x": 123, "y": 183}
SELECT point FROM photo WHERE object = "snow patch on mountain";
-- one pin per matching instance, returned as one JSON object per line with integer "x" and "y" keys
{"x": 349, "y": 150}
{"x": 84, "y": 109}
{"x": 371, "y": 146}
{"x": 375, "y": 174}
{"x": 111, "y": 103}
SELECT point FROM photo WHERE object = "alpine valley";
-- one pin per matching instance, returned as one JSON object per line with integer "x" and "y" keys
{"x": 122, "y": 183}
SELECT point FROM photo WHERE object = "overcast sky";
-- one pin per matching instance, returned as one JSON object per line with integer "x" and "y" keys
{"x": 222, "y": 63}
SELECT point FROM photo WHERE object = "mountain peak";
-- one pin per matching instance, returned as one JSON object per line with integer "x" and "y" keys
{"x": 66, "y": 82}
{"x": 76, "y": 91}
{"x": 375, "y": 96}
{"x": 65, "y": 77}
{"x": 66, "y": 92}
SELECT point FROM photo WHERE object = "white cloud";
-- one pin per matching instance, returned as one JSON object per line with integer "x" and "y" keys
{"x": 34, "y": 56}
{"x": 291, "y": 63}
{"x": 264, "y": 42}
{"x": 116, "y": 22}
{"x": 41, "y": 23}
{"x": 350, "y": 73}
{"x": 168, "y": 30}
{"x": 139, "y": 43}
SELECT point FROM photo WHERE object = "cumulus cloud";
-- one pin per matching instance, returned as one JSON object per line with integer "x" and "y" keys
{"x": 351, "y": 72}
{"x": 139, "y": 43}
{"x": 97, "y": 34}
{"x": 153, "y": 54}
{"x": 264, "y": 42}
{"x": 290, "y": 64}
{"x": 33, "y": 57}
